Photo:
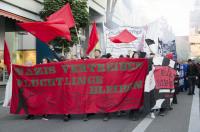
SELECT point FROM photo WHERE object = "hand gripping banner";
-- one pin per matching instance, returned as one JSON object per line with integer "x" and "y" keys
{"x": 79, "y": 86}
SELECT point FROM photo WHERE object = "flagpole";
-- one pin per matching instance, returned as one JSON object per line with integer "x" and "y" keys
{"x": 150, "y": 49}
{"x": 78, "y": 40}
{"x": 63, "y": 50}
{"x": 77, "y": 34}
{"x": 146, "y": 28}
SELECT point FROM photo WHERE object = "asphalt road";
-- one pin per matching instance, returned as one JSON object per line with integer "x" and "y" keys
{"x": 177, "y": 120}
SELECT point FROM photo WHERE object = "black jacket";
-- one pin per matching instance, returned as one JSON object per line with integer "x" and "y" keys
{"x": 192, "y": 70}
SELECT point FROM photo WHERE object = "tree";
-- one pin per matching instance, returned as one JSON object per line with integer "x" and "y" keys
{"x": 80, "y": 13}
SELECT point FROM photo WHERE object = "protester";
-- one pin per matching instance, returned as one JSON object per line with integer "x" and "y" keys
{"x": 85, "y": 57}
{"x": 149, "y": 86}
{"x": 176, "y": 84}
{"x": 135, "y": 54}
{"x": 121, "y": 56}
{"x": 168, "y": 106}
{"x": 134, "y": 114}
{"x": 142, "y": 54}
{"x": 104, "y": 56}
{"x": 54, "y": 60}
{"x": 62, "y": 58}
{"x": 1, "y": 73}
{"x": 192, "y": 75}
{"x": 176, "y": 79}
{"x": 108, "y": 55}
{"x": 29, "y": 116}
{"x": 119, "y": 113}
{"x": 186, "y": 84}
{"x": 45, "y": 61}
{"x": 198, "y": 68}
{"x": 97, "y": 53}
{"x": 106, "y": 115}
{"x": 181, "y": 78}
{"x": 66, "y": 116}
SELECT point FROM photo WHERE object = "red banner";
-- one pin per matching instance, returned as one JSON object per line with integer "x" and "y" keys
{"x": 79, "y": 86}
{"x": 164, "y": 77}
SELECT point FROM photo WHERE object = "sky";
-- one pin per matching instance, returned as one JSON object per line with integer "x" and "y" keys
{"x": 142, "y": 12}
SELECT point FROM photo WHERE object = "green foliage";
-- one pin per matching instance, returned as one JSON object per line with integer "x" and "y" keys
{"x": 80, "y": 13}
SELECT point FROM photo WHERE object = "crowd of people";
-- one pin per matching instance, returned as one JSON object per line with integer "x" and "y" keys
{"x": 191, "y": 76}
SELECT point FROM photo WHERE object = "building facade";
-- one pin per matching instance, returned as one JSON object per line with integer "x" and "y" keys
{"x": 21, "y": 44}
{"x": 194, "y": 37}
{"x": 97, "y": 13}
{"x": 103, "y": 13}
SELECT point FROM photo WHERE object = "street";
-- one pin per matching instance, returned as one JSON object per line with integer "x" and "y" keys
{"x": 183, "y": 118}
{"x": 97, "y": 58}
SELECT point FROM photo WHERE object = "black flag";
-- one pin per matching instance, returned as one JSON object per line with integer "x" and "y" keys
{"x": 149, "y": 41}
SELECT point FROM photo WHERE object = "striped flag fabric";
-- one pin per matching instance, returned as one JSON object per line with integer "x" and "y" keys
{"x": 155, "y": 98}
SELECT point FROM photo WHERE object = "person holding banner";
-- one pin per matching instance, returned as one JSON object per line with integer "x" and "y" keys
{"x": 106, "y": 115}
{"x": 135, "y": 54}
{"x": 97, "y": 55}
{"x": 134, "y": 113}
{"x": 29, "y": 116}
{"x": 121, "y": 56}
{"x": 45, "y": 61}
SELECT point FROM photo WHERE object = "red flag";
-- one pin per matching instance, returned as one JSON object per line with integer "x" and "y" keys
{"x": 57, "y": 25}
{"x": 93, "y": 39}
{"x": 124, "y": 37}
{"x": 47, "y": 31}
{"x": 65, "y": 14}
{"x": 7, "y": 57}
